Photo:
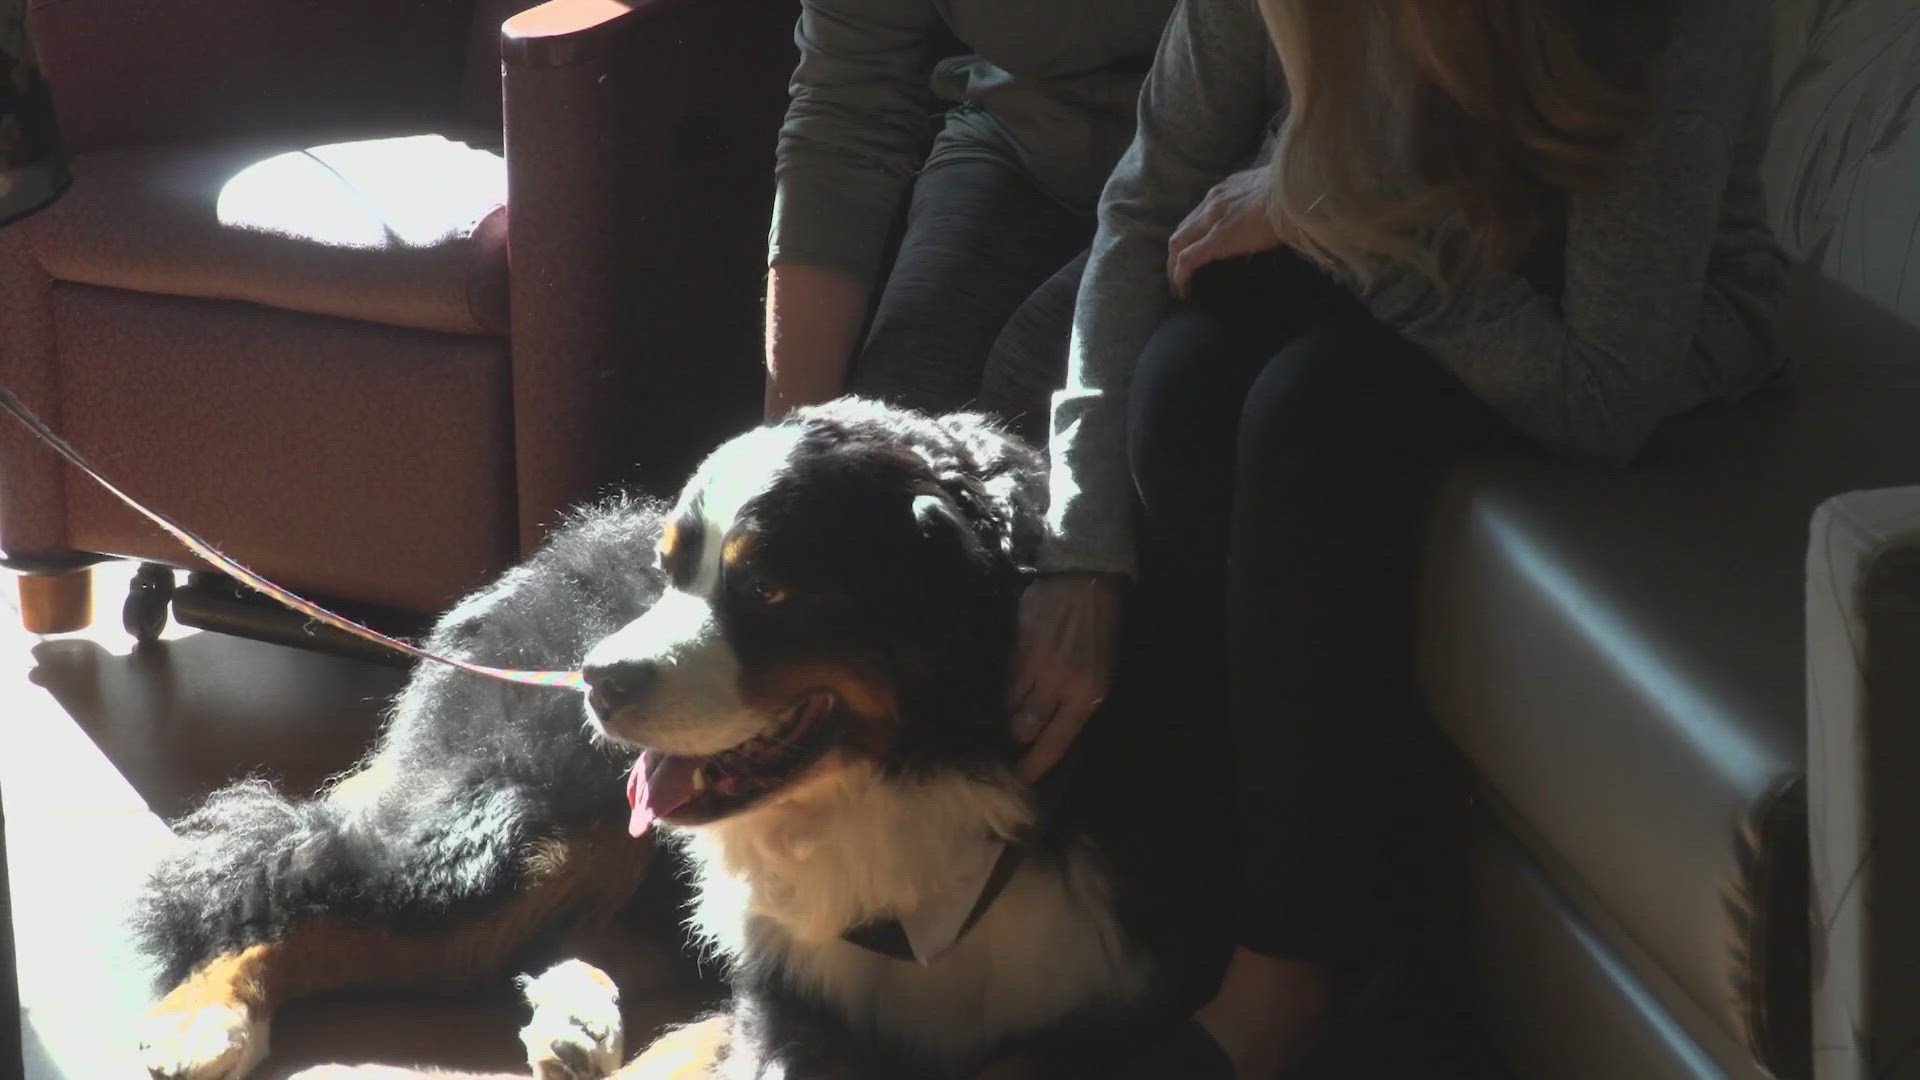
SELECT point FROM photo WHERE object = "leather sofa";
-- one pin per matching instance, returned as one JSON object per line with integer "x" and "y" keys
{"x": 1688, "y": 693}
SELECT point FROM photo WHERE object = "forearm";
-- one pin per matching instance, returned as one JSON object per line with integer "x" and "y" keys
{"x": 814, "y": 315}
{"x": 1591, "y": 372}
{"x": 1201, "y": 117}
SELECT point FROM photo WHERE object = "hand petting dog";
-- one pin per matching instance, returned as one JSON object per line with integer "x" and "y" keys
{"x": 1062, "y": 663}
{"x": 1236, "y": 218}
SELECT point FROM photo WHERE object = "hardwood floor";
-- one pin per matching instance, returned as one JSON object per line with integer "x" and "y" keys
{"x": 101, "y": 742}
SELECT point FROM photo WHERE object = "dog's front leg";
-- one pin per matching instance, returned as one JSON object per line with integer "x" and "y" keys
{"x": 576, "y": 1032}
{"x": 696, "y": 1051}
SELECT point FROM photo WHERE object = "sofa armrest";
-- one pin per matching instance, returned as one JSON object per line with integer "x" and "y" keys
{"x": 639, "y": 146}
{"x": 172, "y": 70}
{"x": 1863, "y": 698}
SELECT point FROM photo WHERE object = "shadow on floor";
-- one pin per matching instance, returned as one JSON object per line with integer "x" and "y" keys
{"x": 180, "y": 718}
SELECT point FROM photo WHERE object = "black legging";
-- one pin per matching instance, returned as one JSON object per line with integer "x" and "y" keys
{"x": 979, "y": 301}
{"x": 1283, "y": 442}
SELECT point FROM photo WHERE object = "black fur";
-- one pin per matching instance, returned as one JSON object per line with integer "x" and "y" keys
{"x": 926, "y": 529}
{"x": 482, "y": 770}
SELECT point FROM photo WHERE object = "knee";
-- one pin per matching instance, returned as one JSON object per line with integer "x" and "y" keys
{"x": 1178, "y": 394}
{"x": 1329, "y": 392}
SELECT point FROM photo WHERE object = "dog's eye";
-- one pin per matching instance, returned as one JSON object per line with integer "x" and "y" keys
{"x": 763, "y": 588}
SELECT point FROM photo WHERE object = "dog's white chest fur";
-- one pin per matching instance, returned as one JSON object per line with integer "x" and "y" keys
{"x": 779, "y": 885}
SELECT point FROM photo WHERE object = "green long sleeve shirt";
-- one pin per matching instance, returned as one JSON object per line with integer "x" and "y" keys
{"x": 885, "y": 88}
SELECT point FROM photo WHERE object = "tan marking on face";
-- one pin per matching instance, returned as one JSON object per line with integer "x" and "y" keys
{"x": 737, "y": 548}
{"x": 861, "y": 693}
{"x": 669, "y": 540}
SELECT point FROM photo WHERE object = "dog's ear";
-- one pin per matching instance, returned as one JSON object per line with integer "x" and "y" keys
{"x": 935, "y": 513}
{"x": 940, "y": 520}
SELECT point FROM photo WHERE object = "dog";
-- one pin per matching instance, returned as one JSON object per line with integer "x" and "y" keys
{"x": 795, "y": 674}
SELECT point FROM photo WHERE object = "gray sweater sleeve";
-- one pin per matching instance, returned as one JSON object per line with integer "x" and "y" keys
{"x": 1589, "y": 373}
{"x": 858, "y": 127}
{"x": 1202, "y": 116}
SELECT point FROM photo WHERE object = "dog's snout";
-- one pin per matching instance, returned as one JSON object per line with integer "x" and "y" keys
{"x": 612, "y": 686}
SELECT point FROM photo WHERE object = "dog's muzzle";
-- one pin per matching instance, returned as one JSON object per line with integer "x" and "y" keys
{"x": 612, "y": 687}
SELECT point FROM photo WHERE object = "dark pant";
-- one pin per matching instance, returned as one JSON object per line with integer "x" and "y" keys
{"x": 979, "y": 302}
{"x": 1284, "y": 444}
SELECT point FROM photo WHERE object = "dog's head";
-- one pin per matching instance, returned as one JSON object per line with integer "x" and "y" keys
{"x": 840, "y": 587}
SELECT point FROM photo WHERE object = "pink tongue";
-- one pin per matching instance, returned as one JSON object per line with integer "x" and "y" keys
{"x": 658, "y": 785}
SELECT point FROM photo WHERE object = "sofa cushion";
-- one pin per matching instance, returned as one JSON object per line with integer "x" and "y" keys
{"x": 1619, "y": 655}
{"x": 407, "y": 231}
{"x": 1843, "y": 157}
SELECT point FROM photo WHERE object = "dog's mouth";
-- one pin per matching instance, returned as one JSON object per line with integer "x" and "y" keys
{"x": 684, "y": 790}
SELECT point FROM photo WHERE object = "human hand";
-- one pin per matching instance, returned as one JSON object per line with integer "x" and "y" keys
{"x": 1062, "y": 662}
{"x": 1233, "y": 220}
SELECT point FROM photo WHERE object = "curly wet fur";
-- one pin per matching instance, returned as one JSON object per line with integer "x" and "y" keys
{"x": 445, "y": 833}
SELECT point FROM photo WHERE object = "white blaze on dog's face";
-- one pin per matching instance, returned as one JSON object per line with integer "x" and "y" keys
{"x": 827, "y": 600}
{"x": 695, "y": 706}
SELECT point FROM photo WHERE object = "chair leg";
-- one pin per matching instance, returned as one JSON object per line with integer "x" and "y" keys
{"x": 56, "y": 602}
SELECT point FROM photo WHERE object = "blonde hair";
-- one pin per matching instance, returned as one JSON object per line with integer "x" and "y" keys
{"x": 1407, "y": 115}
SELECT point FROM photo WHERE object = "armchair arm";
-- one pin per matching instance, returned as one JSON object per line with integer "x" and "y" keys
{"x": 639, "y": 145}
{"x": 167, "y": 70}
{"x": 1863, "y": 697}
{"x": 33, "y": 502}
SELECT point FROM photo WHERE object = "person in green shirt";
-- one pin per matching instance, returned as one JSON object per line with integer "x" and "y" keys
{"x": 979, "y": 134}
{"x": 987, "y": 128}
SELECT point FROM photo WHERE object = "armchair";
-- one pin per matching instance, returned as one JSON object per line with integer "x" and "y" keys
{"x": 368, "y": 293}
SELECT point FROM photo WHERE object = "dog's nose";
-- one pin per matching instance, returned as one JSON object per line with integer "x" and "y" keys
{"x": 610, "y": 687}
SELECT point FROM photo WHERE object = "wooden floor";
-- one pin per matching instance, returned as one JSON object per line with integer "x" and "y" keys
{"x": 100, "y": 743}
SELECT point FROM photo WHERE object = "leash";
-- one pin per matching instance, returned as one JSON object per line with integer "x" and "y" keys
{"x": 563, "y": 680}
{"x": 883, "y": 936}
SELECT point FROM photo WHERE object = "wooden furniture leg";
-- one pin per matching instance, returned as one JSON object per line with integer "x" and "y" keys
{"x": 56, "y": 602}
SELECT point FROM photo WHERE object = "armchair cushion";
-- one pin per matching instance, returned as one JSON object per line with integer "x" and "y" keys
{"x": 406, "y": 231}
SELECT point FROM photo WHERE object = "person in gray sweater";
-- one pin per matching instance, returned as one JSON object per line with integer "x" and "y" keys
{"x": 1348, "y": 243}
{"x": 993, "y": 125}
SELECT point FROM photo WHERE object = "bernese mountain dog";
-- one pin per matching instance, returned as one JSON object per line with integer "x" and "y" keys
{"x": 796, "y": 678}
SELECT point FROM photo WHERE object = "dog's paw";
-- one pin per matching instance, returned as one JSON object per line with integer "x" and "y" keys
{"x": 576, "y": 1031}
{"x": 188, "y": 1040}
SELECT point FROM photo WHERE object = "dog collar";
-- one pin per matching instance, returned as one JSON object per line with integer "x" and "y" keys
{"x": 938, "y": 925}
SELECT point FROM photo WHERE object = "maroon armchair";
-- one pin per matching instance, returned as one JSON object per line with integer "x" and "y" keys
{"x": 369, "y": 291}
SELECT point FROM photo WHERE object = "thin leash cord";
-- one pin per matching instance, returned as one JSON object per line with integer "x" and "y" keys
{"x": 565, "y": 680}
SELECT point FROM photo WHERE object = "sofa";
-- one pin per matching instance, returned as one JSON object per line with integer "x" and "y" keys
{"x": 1687, "y": 694}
